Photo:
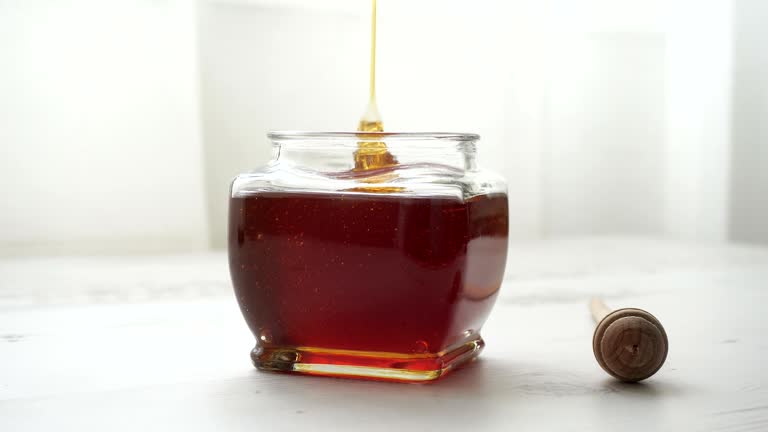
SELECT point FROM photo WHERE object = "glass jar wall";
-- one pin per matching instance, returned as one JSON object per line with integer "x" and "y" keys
{"x": 374, "y": 255}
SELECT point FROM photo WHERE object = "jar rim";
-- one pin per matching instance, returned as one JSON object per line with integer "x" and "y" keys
{"x": 388, "y": 136}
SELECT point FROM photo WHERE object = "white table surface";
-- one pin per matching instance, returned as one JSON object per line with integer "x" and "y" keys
{"x": 158, "y": 343}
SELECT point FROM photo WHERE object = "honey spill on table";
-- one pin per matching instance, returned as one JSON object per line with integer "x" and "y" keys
{"x": 373, "y": 154}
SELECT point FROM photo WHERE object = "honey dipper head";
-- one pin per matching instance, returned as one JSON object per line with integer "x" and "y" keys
{"x": 630, "y": 344}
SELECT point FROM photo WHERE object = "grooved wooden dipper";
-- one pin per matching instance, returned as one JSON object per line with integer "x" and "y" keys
{"x": 630, "y": 344}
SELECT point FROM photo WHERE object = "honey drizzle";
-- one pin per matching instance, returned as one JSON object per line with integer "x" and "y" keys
{"x": 371, "y": 121}
{"x": 372, "y": 154}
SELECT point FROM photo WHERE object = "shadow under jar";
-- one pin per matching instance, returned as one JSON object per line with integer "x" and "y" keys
{"x": 384, "y": 272}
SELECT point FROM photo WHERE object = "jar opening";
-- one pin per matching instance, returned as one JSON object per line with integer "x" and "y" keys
{"x": 373, "y": 136}
{"x": 340, "y": 151}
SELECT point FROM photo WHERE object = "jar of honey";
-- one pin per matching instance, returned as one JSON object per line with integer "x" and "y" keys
{"x": 372, "y": 255}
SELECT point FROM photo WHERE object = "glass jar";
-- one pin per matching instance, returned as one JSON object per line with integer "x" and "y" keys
{"x": 376, "y": 255}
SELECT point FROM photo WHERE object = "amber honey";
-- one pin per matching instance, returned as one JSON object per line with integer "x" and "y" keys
{"x": 327, "y": 277}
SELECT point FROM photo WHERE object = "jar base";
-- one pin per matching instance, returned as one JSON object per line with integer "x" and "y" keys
{"x": 371, "y": 365}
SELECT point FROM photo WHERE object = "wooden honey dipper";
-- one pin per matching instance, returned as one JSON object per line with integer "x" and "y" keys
{"x": 630, "y": 344}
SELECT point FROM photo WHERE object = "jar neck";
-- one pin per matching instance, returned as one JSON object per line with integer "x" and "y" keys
{"x": 339, "y": 153}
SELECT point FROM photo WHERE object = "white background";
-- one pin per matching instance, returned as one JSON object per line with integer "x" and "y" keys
{"x": 122, "y": 122}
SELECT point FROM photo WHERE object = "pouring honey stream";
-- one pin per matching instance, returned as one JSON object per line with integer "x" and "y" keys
{"x": 373, "y": 154}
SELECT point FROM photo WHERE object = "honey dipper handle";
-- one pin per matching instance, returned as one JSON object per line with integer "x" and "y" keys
{"x": 599, "y": 309}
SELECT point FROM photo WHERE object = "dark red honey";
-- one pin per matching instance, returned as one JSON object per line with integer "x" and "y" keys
{"x": 366, "y": 272}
